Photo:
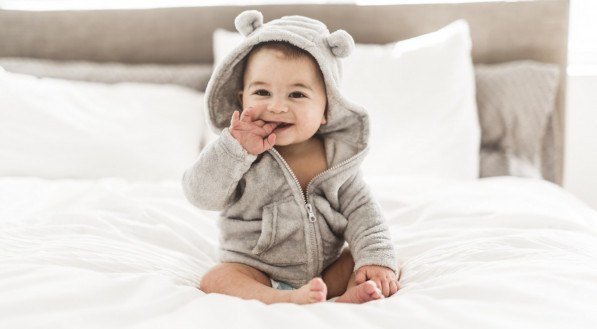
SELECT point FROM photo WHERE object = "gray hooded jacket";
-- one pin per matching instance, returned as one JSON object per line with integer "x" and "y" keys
{"x": 266, "y": 221}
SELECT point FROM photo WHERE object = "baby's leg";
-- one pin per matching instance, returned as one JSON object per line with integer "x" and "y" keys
{"x": 247, "y": 282}
{"x": 337, "y": 276}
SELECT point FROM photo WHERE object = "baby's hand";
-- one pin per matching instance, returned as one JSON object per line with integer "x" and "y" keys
{"x": 384, "y": 277}
{"x": 255, "y": 136}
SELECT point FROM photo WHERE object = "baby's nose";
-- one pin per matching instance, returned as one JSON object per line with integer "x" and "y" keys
{"x": 277, "y": 106}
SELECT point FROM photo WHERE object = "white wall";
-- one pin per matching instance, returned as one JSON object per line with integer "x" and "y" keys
{"x": 580, "y": 164}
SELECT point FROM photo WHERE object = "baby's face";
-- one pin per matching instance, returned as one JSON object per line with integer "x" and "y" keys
{"x": 290, "y": 91}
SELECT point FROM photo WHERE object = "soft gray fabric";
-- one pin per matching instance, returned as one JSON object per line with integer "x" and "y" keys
{"x": 188, "y": 75}
{"x": 516, "y": 101}
{"x": 264, "y": 220}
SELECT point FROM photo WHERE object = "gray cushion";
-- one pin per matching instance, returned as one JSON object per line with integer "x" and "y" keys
{"x": 189, "y": 75}
{"x": 516, "y": 101}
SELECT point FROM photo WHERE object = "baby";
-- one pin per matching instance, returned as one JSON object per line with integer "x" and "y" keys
{"x": 285, "y": 172}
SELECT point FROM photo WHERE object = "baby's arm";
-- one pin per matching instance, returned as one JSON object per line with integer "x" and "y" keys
{"x": 367, "y": 233}
{"x": 213, "y": 178}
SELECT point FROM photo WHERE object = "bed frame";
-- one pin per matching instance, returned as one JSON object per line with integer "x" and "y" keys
{"x": 501, "y": 31}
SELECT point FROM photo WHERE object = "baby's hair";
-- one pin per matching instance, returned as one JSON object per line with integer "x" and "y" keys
{"x": 289, "y": 50}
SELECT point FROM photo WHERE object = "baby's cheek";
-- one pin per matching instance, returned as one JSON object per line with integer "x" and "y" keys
{"x": 257, "y": 104}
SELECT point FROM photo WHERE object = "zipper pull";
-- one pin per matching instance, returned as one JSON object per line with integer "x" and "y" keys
{"x": 312, "y": 218}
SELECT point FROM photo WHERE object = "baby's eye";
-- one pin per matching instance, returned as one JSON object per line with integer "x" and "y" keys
{"x": 262, "y": 92}
{"x": 297, "y": 94}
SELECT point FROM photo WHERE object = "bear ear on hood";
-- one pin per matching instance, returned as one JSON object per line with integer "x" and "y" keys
{"x": 248, "y": 21}
{"x": 341, "y": 43}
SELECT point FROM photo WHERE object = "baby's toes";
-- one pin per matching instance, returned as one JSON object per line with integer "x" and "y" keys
{"x": 317, "y": 284}
{"x": 316, "y": 296}
{"x": 317, "y": 289}
{"x": 372, "y": 290}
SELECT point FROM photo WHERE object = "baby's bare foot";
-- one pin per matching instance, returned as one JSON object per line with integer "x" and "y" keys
{"x": 362, "y": 293}
{"x": 313, "y": 292}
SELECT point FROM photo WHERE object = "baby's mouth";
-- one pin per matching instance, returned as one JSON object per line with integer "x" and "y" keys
{"x": 281, "y": 125}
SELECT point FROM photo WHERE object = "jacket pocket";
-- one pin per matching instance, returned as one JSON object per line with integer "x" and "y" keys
{"x": 238, "y": 235}
{"x": 281, "y": 241}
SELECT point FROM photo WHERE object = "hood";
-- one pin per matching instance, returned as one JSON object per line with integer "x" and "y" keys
{"x": 347, "y": 122}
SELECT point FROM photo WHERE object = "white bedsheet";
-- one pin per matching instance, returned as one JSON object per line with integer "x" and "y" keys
{"x": 503, "y": 252}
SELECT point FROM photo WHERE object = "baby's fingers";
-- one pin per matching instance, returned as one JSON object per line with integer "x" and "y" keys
{"x": 250, "y": 128}
{"x": 246, "y": 115}
{"x": 393, "y": 287}
{"x": 385, "y": 287}
{"x": 269, "y": 141}
{"x": 360, "y": 277}
{"x": 234, "y": 118}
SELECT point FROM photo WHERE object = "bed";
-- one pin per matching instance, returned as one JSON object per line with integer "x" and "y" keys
{"x": 91, "y": 235}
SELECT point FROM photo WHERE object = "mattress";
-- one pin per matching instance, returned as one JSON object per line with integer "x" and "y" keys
{"x": 500, "y": 252}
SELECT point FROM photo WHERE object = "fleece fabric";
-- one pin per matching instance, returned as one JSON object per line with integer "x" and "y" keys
{"x": 266, "y": 220}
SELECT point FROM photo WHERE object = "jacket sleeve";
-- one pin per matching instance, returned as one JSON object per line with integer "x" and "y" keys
{"x": 213, "y": 178}
{"x": 367, "y": 233}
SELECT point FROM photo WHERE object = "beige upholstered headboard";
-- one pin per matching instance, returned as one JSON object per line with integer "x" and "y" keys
{"x": 501, "y": 31}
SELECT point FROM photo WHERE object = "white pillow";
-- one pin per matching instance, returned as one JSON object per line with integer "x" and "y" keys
{"x": 420, "y": 94}
{"x": 52, "y": 128}
{"x": 224, "y": 41}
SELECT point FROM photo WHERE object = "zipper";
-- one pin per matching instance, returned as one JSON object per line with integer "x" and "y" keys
{"x": 310, "y": 212}
{"x": 307, "y": 205}
{"x": 312, "y": 218}
{"x": 333, "y": 167}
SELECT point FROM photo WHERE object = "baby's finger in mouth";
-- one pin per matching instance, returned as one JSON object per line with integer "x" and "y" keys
{"x": 270, "y": 126}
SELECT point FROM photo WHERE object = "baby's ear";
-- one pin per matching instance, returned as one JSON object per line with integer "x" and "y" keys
{"x": 341, "y": 43}
{"x": 248, "y": 21}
